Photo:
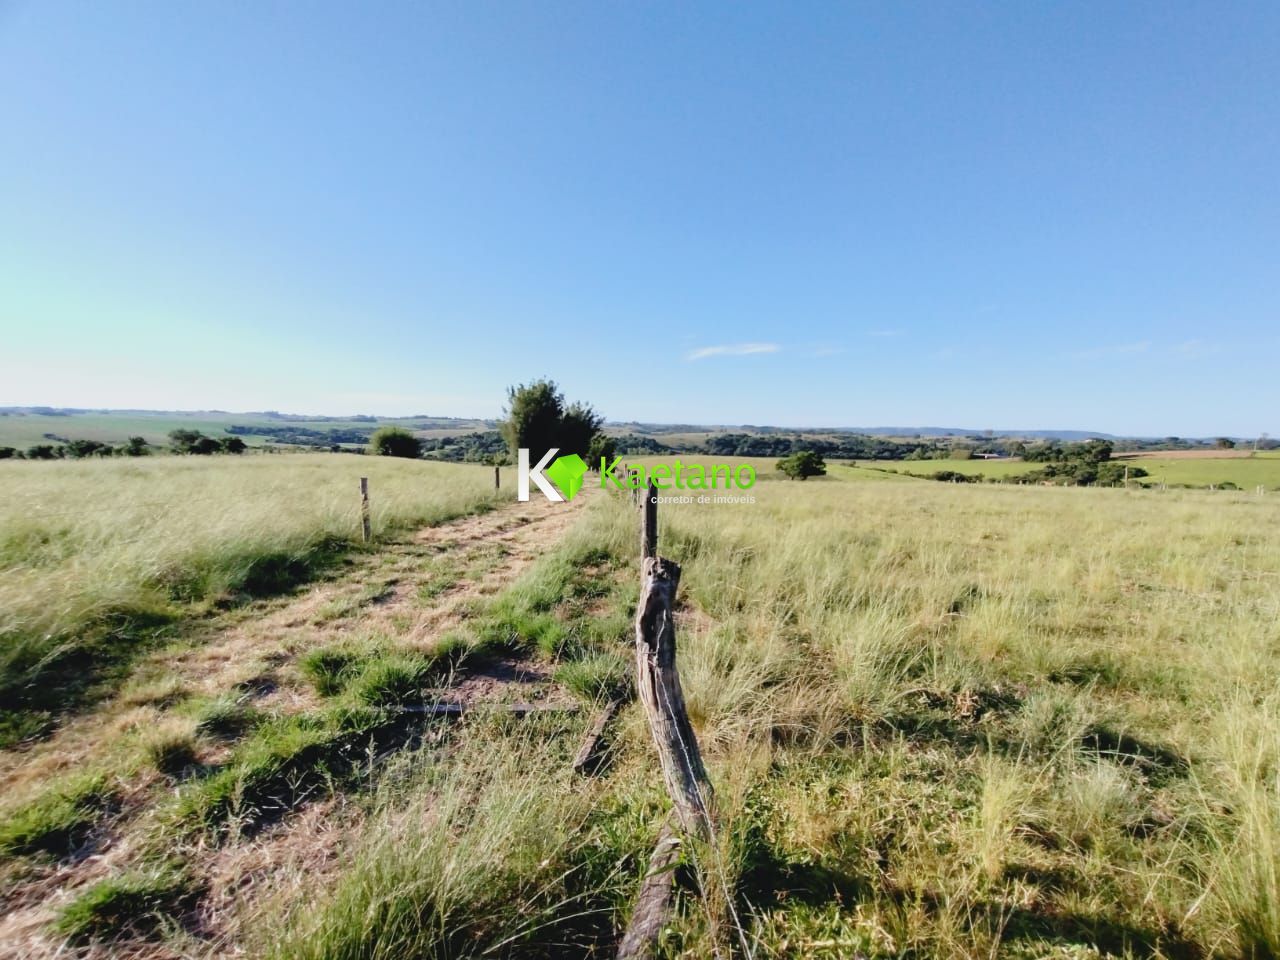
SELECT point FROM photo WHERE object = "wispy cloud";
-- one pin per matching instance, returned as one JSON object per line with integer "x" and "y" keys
{"x": 1197, "y": 348}
{"x": 732, "y": 350}
{"x": 827, "y": 351}
{"x": 1114, "y": 350}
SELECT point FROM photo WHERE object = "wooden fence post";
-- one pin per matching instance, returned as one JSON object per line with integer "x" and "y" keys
{"x": 653, "y": 905}
{"x": 497, "y": 479}
{"x": 364, "y": 508}
{"x": 658, "y": 686}
{"x": 649, "y": 527}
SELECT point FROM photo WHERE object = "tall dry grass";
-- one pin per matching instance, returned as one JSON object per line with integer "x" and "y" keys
{"x": 1059, "y": 705}
{"x": 94, "y": 554}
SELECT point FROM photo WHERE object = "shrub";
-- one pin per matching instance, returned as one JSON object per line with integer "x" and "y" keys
{"x": 79, "y": 449}
{"x": 395, "y": 442}
{"x": 802, "y": 465}
{"x": 193, "y": 441}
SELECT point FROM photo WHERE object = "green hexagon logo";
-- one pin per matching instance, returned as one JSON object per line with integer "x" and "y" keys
{"x": 566, "y": 473}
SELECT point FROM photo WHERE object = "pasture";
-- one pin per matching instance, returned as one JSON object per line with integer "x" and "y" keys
{"x": 940, "y": 720}
{"x": 98, "y": 555}
{"x": 1245, "y": 472}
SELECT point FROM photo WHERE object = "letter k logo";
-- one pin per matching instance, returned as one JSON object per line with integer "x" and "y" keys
{"x": 524, "y": 475}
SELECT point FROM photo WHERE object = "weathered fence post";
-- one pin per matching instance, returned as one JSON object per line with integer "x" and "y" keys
{"x": 658, "y": 686}
{"x": 653, "y": 905}
{"x": 497, "y": 479}
{"x": 364, "y": 508}
{"x": 649, "y": 528}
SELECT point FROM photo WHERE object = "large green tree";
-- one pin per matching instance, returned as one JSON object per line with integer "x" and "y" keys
{"x": 803, "y": 465}
{"x": 537, "y": 418}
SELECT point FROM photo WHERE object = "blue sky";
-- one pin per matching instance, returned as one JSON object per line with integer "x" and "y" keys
{"x": 987, "y": 215}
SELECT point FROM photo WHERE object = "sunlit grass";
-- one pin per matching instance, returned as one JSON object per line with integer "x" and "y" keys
{"x": 97, "y": 556}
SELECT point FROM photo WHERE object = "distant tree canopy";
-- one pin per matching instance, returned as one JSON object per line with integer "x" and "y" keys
{"x": 303, "y": 436}
{"x": 803, "y": 465}
{"x": 195, "y": 442}
{"x": 538, "y": 419}
{"x": 8, "y": 453}
{"x": 136, "y": 447}
{"x": 79, "y": 449}
{"x": 395, "y": 442}
{"x": 478, "y": 447}
{"x": 1091, "y": 451}
{"x": 1224, "y": 443}
{"x": 850, "y": 447}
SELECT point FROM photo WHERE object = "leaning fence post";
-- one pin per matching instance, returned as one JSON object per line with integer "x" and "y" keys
{"x": 658, "y": 686}
{"x": 364, "y": 508}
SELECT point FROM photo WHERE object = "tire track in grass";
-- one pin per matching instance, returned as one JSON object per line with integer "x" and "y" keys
{"x": 412, "y": 588}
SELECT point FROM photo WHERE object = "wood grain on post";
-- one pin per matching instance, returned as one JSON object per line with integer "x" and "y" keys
{"x": 658, "y": 686}
{"x": 649, "y": 526}
{"x": 364, "y": 508}
{"x": 653, "y": 905}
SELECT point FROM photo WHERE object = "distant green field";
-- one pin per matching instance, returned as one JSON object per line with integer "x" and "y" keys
{"x": 998, "y": 469}
{"x": 22, "y": 430}
{"x": 766, "y": 468}
{"x": 1244, "y": 472}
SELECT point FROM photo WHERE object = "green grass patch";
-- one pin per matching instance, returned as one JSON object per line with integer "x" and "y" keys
{"x": 600, "y": 676}
{"x": 227, "y": 717}
{"x": 136, "y": 904}
{"x": 171, "y": 747}
{"x": 59, "y": 820}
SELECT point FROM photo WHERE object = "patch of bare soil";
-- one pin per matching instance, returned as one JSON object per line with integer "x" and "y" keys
{"x": 508, "y": 680}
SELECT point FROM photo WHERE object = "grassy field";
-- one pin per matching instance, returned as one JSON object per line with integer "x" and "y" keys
{"x": 1244, "y": 472}
{"x": 97, "y": 556}
{"x": 941, "y": 721}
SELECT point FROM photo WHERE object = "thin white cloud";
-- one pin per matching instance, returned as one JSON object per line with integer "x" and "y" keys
{"x": 827, "y": 351}
{"x": 1140, "y": 346}
{"x": 732, "y": 350}
{"x": 1197, "y": 348}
